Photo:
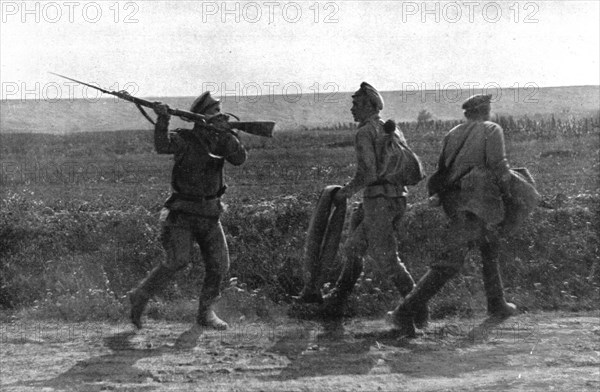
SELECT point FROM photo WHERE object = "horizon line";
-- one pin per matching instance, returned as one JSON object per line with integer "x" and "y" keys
{"x": 279, "y": 95}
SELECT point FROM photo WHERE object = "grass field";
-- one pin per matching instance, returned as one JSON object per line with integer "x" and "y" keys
{"x": 78, "y": 223}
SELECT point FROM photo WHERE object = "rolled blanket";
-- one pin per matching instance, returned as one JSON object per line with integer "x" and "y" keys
{"x": 322, "y": 242}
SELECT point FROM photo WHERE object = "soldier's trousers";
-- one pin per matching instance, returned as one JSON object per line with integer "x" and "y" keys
{"x": 373, "y": 231}
{"x": 464, "y": 231}
{"x": 179, "y": 231}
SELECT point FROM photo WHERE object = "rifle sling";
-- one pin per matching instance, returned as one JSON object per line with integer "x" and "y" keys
{"x": 145, "y": 114}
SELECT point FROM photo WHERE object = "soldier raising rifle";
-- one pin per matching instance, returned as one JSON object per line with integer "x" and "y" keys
{"x": 192, "y": 212}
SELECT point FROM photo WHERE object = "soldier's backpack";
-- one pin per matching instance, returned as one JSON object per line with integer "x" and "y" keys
{"x": 398, "y": 164}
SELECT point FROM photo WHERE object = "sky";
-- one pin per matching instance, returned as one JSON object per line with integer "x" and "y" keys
{"x": 161, "y": 48}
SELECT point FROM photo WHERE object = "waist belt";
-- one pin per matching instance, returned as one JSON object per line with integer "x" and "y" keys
{"x": 186, "y": 197}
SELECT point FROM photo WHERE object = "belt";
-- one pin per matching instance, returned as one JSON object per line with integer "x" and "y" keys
{"x": 186, "y": 197}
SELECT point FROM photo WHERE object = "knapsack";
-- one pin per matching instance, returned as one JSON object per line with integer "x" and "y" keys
{"x": 398, "y": 164}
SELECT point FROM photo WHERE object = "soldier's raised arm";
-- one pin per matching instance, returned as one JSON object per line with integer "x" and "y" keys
{"x": 236, "y": 152}
{"x": 228, "y": 143}
{"x": 163, "y": 142}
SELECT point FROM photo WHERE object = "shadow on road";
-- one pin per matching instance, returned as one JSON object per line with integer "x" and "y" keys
{"x": 380, "y": 351}
{"x": 116, "y": 367}
{"x": 292, "y": 351}
{"x": 328, "y": 351}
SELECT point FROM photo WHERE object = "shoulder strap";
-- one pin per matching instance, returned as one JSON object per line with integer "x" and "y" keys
{"x": 405, "y": 145}
{"x": 457, "y": 151}
{"x": 438, "y": 181}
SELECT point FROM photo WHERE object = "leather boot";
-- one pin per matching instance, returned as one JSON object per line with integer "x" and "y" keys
{"x": 404, "y": 314}
{"x": 334, "y": 303}
{"x": 209, "y": 294}
{"x": 207, "y": 318}
{"x": 139, "y": 296}
{"x": 405, "y": 284}
{"x": 421, "y": 317}
{"x": 492, "y": 281}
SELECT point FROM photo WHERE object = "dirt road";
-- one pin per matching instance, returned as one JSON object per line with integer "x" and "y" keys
{"x": 545, "y": 351}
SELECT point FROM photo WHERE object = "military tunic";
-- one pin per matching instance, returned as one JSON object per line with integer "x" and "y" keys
{"x": 473, "y": 154}
{"x": 192, "y": 212}
{"x": 479, "y": 167}
{"x": 375, "y": 220}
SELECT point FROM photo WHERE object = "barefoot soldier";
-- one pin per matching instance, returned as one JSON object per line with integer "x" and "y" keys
{"x": 374, "y": 221}
{"x": 482, "y": 197}
{"x": 192, "y": 212}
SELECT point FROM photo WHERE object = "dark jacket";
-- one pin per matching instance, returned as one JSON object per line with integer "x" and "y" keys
{"x": 197, "y": 177}
{"x": 473, "y": 175}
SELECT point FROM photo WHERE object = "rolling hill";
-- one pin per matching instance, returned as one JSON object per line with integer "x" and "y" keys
{"x": 66, "y": 116}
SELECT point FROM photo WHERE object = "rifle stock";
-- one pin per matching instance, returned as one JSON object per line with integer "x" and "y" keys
{"x": 259, "y": 128}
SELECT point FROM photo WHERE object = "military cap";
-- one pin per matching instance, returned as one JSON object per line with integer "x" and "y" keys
{"x": 476, "y": 101}
{"x": 370, "y": 91}
{"x": 203, "y": 103}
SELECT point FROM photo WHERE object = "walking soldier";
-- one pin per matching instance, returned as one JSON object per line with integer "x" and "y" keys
{"x": 482, "y": 198}
{"x": 192, "y": 212}
{"x": 374, "y": 222}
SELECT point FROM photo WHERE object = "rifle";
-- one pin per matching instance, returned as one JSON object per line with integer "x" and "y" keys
{"x": 259, "y": 128}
